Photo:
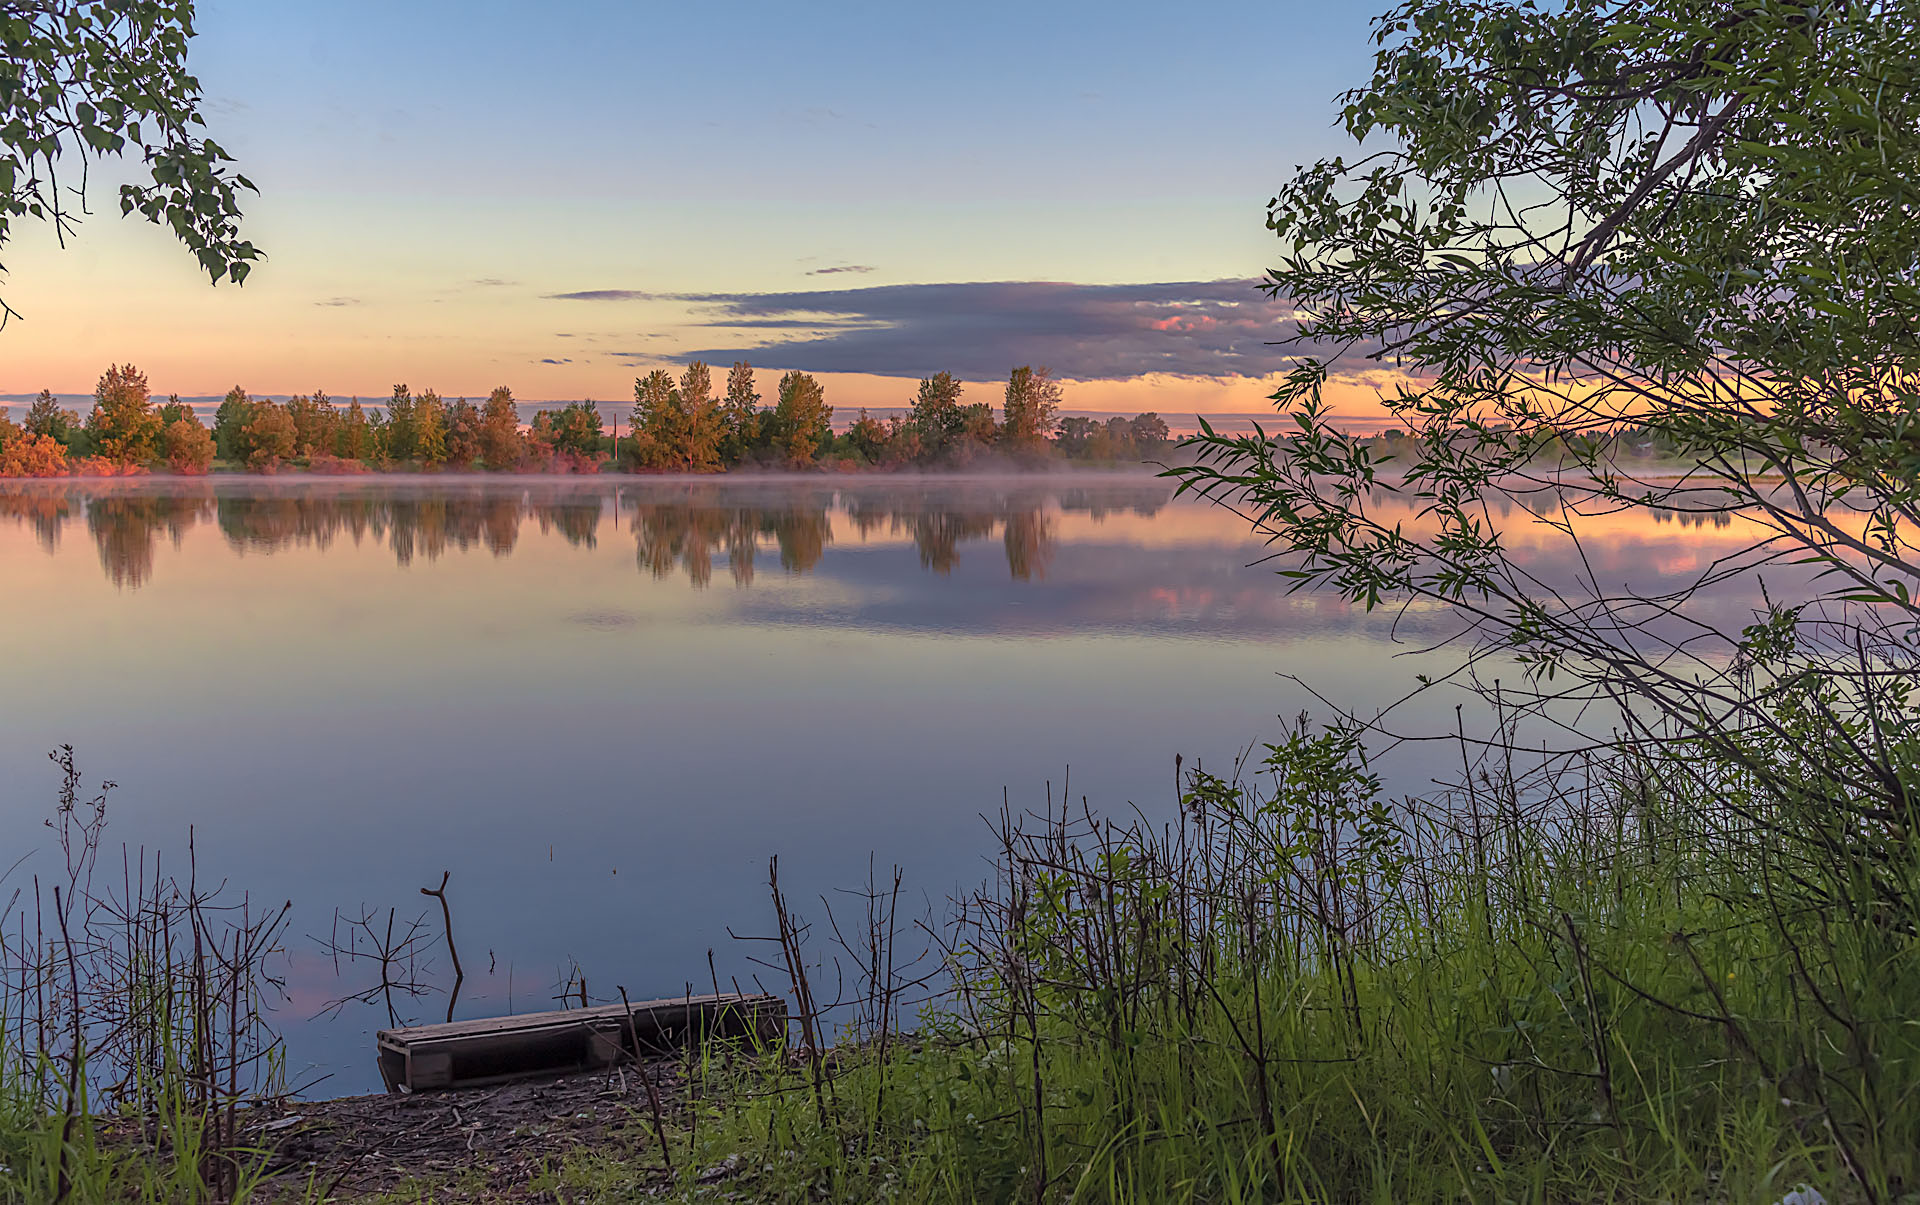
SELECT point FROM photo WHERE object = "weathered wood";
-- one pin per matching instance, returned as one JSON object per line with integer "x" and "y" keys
{"x": 491, "y": 1050}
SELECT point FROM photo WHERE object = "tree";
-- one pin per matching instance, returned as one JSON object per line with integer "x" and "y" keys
{"x": 187, "y": 445}
{"x": 123, "y": 423}
{"x": 936, "y": 413}
{"x": 1027, "y": 415}
{"x": 403, "y": 426}
{"x": 656, "y": 421}
{"x": 315, "y": 423}
{"x": 429, "y": 428}
{"x": 1150, "y": 433}
{"x": 868, "y": 436}
{"x": 739, "y": 413}
{"x": 464, "y": 444}
{"x": 45, "y": 417}
{"x": 268, "y": 437}
{"x": 703, "y": 426}
{"x": 500, "y": 442}
{"x": 25, "y": 453}
{"x": 354, "y": 440}
{"x": 230, "y": 423}
{"x": 574, "y": 430}
{"x": 1603, "y": 219}
{"x": 87, "y": 80}
{"x": 1074, "y": 435}
{"x": 802, "y": 420}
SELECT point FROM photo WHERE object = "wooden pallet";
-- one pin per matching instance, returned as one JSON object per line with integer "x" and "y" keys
{"x": 467, "y": 1054}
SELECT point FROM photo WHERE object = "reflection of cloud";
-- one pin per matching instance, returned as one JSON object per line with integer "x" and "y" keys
{"x": 1219, "y": 328}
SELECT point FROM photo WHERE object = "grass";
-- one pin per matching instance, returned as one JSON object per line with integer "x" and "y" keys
{"x": 1299, "y": 994}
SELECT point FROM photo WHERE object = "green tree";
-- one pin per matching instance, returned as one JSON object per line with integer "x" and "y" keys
{"x": 703, "y": 425}
{"x": 315, "y": 422}
{"x": 123, "y": 423}
{"x": 802, "y": 420}
{"x": 575, "y": 429}
{"x": 45, "y": 417}
{"x": 230, "y": 424}
{"x": 739, "y": 414}
{"x": 1150, "y": 433}
{"x": 429, "y": 428}
{"x": 936, "y": 414}
{"x": 500, "y": 442}
{"x": 354, "y": 440}
{"x": 89, "y": 80}
{"x": 403, "y": 425}
{"x": 657, "y": 435}
{"x": 1027, "y": 414}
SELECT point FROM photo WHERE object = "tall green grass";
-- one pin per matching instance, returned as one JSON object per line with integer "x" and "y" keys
{"x": 1648, "y": 982}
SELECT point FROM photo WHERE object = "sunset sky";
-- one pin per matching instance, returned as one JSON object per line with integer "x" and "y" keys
{"x": 460, "y": 195}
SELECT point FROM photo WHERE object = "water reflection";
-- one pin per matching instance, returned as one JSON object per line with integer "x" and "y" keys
{"x": 683, "y": 525}
{"x": 678, "y": 529}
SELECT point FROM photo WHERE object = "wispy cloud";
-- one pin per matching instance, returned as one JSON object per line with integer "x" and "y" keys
{"x": 338, "y": 301}
{"x": 834, "y": 271}
{"x": 606, "y": 295}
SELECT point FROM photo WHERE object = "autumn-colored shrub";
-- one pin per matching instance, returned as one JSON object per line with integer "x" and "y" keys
{"x": 25, "y": 454}
{"x": 334, "y": 466}
{"x": 188, "y": 446}
{"x": 106, "y": 466}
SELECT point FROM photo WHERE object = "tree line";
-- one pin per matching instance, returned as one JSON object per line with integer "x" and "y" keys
{"x": 676, "y": 425}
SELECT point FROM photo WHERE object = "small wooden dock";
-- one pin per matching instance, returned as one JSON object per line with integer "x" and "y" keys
{"x": 468, "y": 1054}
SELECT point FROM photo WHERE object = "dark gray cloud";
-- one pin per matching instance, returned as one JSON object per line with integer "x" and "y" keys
{"x": 858, "y": 268}
{"x": 977, "y": 331}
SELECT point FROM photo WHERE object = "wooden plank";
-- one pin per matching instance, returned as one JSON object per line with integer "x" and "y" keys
{"x": 498, "y": 1049}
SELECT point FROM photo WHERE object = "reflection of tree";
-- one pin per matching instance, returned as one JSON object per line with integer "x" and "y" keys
{"x": 1029, "y": 539}
{"x": 577, "y": 519}
{"x": 937, "y": 535}
{"x": 126, "y": 528}
{"x": 46, "y": 511}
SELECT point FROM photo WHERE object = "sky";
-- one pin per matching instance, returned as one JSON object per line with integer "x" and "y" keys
{"x": 559, "y": 198}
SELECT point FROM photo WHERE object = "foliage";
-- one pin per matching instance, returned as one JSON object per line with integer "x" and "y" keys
{"x": 187, "y": 446}
{"x": 229, "y": 425}
{"x": 802, "y": 421}
{"x": 123, "y": 423}
{"x": 45, "y": 417}
{"x": 1032, "y": 398}
{"x": 269, "y": 436}
{"x": 85, "y": 79}
{"x": 500, "y": 443}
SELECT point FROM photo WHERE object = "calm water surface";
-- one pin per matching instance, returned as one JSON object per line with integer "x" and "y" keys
{"x": 602, "y": 705}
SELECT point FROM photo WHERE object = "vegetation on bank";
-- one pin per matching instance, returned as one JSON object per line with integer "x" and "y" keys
{"x": 675, "y": 426}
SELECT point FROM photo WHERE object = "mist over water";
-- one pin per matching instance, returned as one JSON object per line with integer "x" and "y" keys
{"x": 601, "y": 703}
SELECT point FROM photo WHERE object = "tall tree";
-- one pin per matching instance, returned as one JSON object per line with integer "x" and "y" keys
{"x": 1027, "y": 415}
{"x": 705, "y": 428}
{"x": 802, "y": 420}
{"x": 403, "y": 425}
{"x": 429, "y": 428}
{"x": 501, "y": 445}
{"x": 230, "y": 424}
{"x": 354, "y": 440}
{"x": 657, "y": 429}
{"x": 87, "y": 80}
{"x": 464, "y": 444}
{"x": 123, "y": 423}
{"x": 45, "y": 417}
{"x": 269, "y": 436}
{"x": 936, "y": 414}
{"x": 740, "y": 413}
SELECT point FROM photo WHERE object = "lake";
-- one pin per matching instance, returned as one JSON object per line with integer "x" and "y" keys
{"x": 601, "y": 704}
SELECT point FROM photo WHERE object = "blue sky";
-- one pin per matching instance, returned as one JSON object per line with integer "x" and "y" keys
{"x": 434, "y": 174}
